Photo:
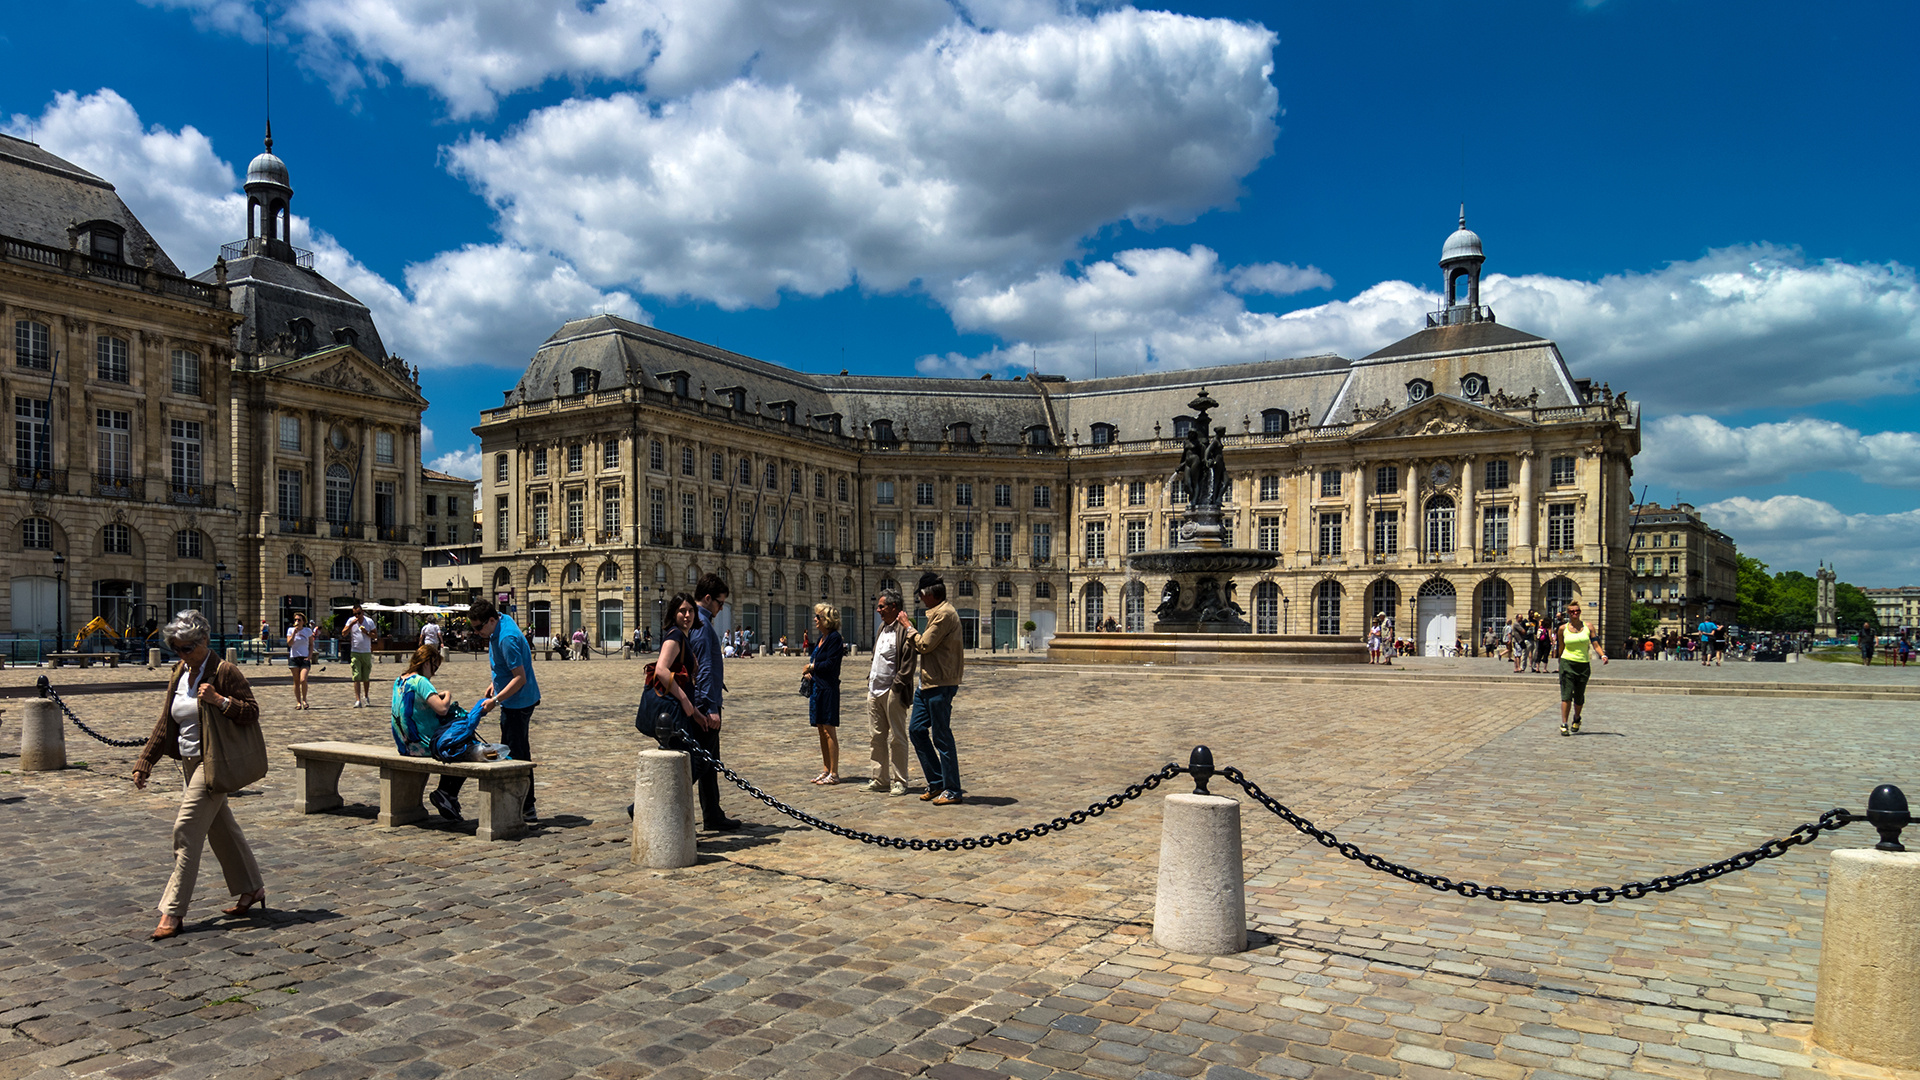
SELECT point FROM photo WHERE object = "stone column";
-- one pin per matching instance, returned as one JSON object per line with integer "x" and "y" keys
{"x": 1467, "y": 542}
{"x": 1357, "y": 516}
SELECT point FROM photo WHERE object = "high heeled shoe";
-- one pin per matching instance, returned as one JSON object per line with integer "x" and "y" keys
{"x": 163, "y": 931}
{"x": 248, "y": 900}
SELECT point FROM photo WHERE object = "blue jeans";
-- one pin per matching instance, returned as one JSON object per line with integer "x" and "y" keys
{"x": 931, "y": 730}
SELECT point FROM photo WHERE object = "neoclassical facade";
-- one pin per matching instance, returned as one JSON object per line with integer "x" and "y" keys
{"x": 1448, "y": 480}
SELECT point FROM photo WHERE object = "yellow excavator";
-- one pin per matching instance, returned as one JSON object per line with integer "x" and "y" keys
{"x": 100, "y": 625}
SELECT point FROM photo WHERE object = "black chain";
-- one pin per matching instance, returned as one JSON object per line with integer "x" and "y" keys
{"x": 47, "y": 688}
{"x": 1632, "y": 890}
{"x": 1078, "y": 817}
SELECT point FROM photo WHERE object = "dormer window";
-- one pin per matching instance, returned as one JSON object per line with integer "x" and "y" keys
{"x": 1274, "y": 422}
{"x": 346, "y": 335}
{"x": 1182, "y": 425}
{"x": 784, "y": 411}
{"x": 1039, "y": 435}
{"x": 1104, "y": 434}
{"x": 1473, "y": 387}
{"x": 106, "y": 243}
{"x": 1418, "y": 391}
{"x": 883, "y": 433}
{"x": 302, "y": 331}
{"x": 827, "y": 422}
{"x": 736, "y": 397}
{"x": 585, "y": 380}
{"x": 960, "y": 433}
{"x": 680, "y": 383}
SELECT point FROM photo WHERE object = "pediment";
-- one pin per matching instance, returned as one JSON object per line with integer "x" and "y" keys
{"x": 1439, "y": 415}
{"x": 347, "y": 369}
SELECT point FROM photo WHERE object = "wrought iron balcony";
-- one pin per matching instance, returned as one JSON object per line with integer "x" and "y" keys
{"x": 1330, "y": 560}
{"x": 191, "y": 494}
{"x": 799, "y": 551}
{"x": 30, "y": 479}
{"x": 347, "y": 530}
{"x": 612, "y": 536}
{"x": 723, "y": 544}
{"x": 298, "y": 526}
{"x": 659, "y": 538}
{"x": 693, "y": 541}
{"x": 113, "y": 486}
{"x": 394, "y": 534}
{"x": 886, "y": 559}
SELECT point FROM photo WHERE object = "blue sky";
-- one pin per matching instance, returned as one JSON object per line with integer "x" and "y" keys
{"x": 1707, "y": 205}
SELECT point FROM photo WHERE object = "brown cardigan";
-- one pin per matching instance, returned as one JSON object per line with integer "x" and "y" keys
{"x": 165, "y": 740}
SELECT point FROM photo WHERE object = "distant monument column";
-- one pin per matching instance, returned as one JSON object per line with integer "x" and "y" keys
{"x": 1824, "y": 623}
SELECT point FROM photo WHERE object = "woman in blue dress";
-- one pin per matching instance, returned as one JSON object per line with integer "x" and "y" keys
{"x": 823, "y": 710}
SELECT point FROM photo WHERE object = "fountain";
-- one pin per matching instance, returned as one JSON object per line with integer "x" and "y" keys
{"x": 1197, "y": 620}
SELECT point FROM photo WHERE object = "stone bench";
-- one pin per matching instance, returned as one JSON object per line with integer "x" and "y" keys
{"x": 85, "y": 659}
{"x": 403, "y": 783}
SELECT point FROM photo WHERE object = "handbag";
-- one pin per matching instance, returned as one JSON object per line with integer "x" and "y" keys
{"x": 659, "y": 715}
{"x": 806, "y": 686}
{"x": 236, "y": 754}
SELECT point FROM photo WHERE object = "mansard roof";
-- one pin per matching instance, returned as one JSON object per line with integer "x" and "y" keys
{"x": 272, "y": 293}
{"x": 41, "y": 194}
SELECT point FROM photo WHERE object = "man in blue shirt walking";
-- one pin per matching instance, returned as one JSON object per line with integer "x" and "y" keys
{"x": 513, "y": 691}
{"x": 710, "y": 684}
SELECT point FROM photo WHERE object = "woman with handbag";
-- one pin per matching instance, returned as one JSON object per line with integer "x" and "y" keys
{"x": 670, "y": 680}
{"x": 210, "y": 721}
{"x": 823, "y": 706}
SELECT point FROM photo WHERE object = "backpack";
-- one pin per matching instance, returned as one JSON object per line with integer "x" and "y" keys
{"x": 453, "y": 740}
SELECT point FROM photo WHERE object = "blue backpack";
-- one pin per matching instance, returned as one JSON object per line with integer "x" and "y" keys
{"x": 453, "y": 740}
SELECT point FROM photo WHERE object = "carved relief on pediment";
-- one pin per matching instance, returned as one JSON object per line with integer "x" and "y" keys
{"x": 1500, "y": 399}
{"x": 343, "y": 376}
{"x": 1373, "y": 412}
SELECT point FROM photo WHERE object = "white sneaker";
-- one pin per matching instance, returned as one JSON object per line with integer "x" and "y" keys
{"x": 897, "y": 789}
{"x": 359, "y": 704}
{"x": 877, "y": 784}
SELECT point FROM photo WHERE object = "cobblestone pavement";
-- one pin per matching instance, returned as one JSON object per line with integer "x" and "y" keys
{"x": 421, "y": 951}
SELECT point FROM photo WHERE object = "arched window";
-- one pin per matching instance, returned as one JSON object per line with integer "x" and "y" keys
{"x": 1418, "y": 391}
{"x": 1003, "y": 589}
{"x": 693, "y": 575}
{"x": 1266, "y": 608}
{"x": 537, "y": 576}
{"x": 1473, "y": 386}
{"x": 1275, "y": 422}
{"x": 339, "y": 494}
{"x": 960, "y": 433}
{"x": 1043, "y": 590}
{"x": 1103, "y": 434}
{"x": 883, "y": 433}
{"x": 846, "y": 586}
{"x": 572, "y": 574}
{"x": 344, "y": 569}
{"x": 1182, "y": 425}
{"x": 1093, "y": 599}
{"x": 296, "y": 564}
{"x": 1386, "y": 599}
{"x": 390, "y": 570}
{"x": 660, "y": 573}
{"x": 1495, "y": 598}
{"x": 1326, "y": 608}
{"x": 502, "y": 578}
{"x": 966, "y": 586}
{"x": 1440, "y": 525}
{"x": 1039, "y": 435}
{"x": 779, "y": 580}
{"x": 610, "y": 572}
{"x": 1559, "y": 595}
{"x": 1136, "y": 607}
{"x": 36, "y": 534}
{"x": 800, "y": 581}
{"x": 889, "y": 583}
{"x": 585, "y": 380}
{"x": 186, "y": 544}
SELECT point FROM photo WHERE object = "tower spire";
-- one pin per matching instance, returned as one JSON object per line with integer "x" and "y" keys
{"x": 269, "y": 134}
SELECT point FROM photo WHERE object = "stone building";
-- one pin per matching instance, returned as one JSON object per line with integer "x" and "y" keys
{"x": 1447, "y": 480}
{"x": 119, "y": 501}
{"x": 326, "y": 426}
{"x": 1895, "y": 609}
{"x": 1683, "y": 568}
{"x": 450, "y": 552}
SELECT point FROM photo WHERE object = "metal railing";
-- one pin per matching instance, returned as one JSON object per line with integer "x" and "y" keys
{"x": 48, "y": 480}
{"x": 111, "y": 486}
{"x": 184, "y": 494}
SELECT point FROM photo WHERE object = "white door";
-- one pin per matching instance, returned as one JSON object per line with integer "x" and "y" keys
{"x": 1435, "y": 624}
{"x": 36, "y": 605}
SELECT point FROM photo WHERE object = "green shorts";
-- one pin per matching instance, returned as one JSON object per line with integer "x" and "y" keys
{"x": 1573, "y": 680}
{"x": 362, "y": 666}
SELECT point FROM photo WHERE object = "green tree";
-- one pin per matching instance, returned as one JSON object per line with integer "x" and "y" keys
{"x": 1642, "y": 619}
{"x": 1851, "y": 607}
{"x": 1756, "y": 594}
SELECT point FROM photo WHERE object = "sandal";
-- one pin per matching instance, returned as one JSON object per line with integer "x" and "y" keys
{"x": 821, "y": 779}
{"x": 829, "y": 778}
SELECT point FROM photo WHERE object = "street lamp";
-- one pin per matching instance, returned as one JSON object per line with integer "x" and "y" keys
{"x": 1284, "y": 622}
{"x": 59, "y": 600}
{"x": 306, "y": 570}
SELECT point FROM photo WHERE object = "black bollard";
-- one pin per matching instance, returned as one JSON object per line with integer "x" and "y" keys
{"x": 1200, "y": 764}
{"x": 1887, "y": 811}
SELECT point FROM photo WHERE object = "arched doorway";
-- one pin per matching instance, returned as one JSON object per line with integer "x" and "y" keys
{"x": 1435, "y": 627}
{"x": 1093, "y": 605}
{"x": 1266, "y": 608}
{"x": 1495, "y": 599}
{"x": 1135, "y": 620}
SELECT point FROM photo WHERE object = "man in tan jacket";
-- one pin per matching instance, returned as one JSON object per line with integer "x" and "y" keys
{"x": 941, "y": 661}
{"x": 889, "y": 693}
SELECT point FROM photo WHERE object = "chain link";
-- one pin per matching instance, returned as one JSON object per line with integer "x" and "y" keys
{"x": 1032, "y": 832}
{"x": 1632, "y": 890}
{"x": 47, "y": 687}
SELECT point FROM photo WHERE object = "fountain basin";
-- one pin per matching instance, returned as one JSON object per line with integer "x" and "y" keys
{"x": 1204, "y": 648}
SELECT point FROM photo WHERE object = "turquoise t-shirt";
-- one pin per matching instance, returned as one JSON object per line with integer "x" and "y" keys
{"x": 426, "y": 722}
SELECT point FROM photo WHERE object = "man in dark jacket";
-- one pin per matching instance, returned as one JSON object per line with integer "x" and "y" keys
{"x": 709, "y": 686}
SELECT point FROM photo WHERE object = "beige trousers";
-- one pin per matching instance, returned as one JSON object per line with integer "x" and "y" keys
{"x": 887, "y": 716}
{"x": 205, "y": 818}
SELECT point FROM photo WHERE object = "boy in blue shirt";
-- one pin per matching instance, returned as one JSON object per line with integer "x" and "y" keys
{"x": 513, "y": 691}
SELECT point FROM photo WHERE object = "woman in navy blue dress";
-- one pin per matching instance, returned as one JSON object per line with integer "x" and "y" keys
{"x": 823, "y": 710}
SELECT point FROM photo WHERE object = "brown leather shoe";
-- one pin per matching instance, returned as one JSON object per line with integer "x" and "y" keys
{"x": 929, "y": 796}
{"x": 948, "y": 799}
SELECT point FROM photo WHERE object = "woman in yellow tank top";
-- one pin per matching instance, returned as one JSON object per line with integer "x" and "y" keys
{"x": 1574, "y": 646}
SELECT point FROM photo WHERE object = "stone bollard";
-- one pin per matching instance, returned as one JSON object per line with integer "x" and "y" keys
{"x": 43, "y": 737}
{"x": 1867, "y": 1006}
{"x": 153, "y": 659}
{"x": 626, "y": 650}
{"x": 233, "y": 655}
{"x": 663, "y": 810}
{"x": 1200, "y": 905}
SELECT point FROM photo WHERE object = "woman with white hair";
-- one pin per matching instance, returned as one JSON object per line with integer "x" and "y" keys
{"x": 201, "y": 686}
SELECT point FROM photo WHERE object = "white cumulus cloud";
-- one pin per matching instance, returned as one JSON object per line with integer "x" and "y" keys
{"x": 1700, "y": 452}
{"x": 1793, "y": 531}
{"x": 462, "y": 463}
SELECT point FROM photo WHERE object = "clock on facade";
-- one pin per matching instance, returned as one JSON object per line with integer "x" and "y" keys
{"x": 1441, "y": 475}
{"x": 338, "y": 438}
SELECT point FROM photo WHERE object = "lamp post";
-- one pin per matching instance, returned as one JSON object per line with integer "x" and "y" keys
{"x": 1284, "y": 621}
{"x": 220, "y": 605}
{"x": 59, "y": 601}
{"x": 307, "y": 571}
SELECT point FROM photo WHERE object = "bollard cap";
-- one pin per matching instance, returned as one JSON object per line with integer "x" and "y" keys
{"x": 1200, "y": 765}
{"x": 1887, "y": 811}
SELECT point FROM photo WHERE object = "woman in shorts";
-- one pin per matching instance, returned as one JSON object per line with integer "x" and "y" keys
{"x": 300, "y": 657}
{"x": 1574, "y": 646}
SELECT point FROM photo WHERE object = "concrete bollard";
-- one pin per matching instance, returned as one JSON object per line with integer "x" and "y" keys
{"x": 626, "y": 650}
{"x": 663, "y": 810}
{"x": 153, "y": 659}
{"x": 43, "y": 737}
{"x": 1867, "y": 1006}
{"x": 1200, "y": 905}
{"x": 233, "y": 655}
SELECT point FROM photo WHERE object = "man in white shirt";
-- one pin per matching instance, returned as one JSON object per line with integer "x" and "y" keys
{"x": 889, "y": 690}
{"x": 359, "y": 637}
{"x": 430, "y": 635}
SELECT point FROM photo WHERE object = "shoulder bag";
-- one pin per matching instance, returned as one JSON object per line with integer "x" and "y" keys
{"x": 236, "y": 754}
{"x": 660, "y": 715}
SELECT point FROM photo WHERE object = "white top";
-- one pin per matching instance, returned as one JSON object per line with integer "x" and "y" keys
{"x": 430, "y": 634}
{"x": 886, "y": 660}
{"x": 362, "y": 639}
{"x": 300, "y": 642}
{"x": 186, "y": 710}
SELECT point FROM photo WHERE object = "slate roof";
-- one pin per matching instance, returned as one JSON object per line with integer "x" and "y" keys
{"x": 271, "y": 293}
{"x": 1464, "y": 336}
{"x": 41, "y": 194}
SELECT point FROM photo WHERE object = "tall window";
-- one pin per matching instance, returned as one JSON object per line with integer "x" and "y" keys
{"x": 923, "y": 537}
{"x": 1136, "y": 536}
{"x": 610, "y": 510}
{"x": 883, "y": 492}
{"x": 1560, "y": 527}
{"x": 115, "y": 433}
{"x": 1330, "y": 535}
{"x": 717, "y": 509}
{"x": 1386, "y": 532}
{"x": 1002, "y": 541}
{"x": 746, "y": 527}
{"x": 1440, "y": 524}
{"x": 1042, "y": 539}
{"x": 576, "y": 513}
{"x": 1268, "y": 535}
{"x": 290, "y": 434}
{"x": 840, "y": 490}
{"x": 1136, "y": 493}
{"x": 1560, "y": 594}
{"x": 885, "y": 537}
{"x": 1042, "y": 496}
{"x": 962, "y": 541}
{"x": 1386, "y": 480}
{"x": 1266, "y": 608}
{"x": 1096, "y": 546}
{"x": 110, "y": 358}
{"x": 186, "y": 452}
{"x": 1330, "y": 483}
{"x": 383, "y": 447}
{"x": 963, "y": 494}
{"x": 292, "y": 501}
{"x": 500, "y": 467}
{"x": 923, "y": 494}
{"x": 690, "y": 516}
{"x": 1494, "y": 598}
{"x": 1269, "y": 489}
{"x": 1134, "y": 607}
{"x": 186, "y": 373}
{"x": 575, "y": 457}
{"x": 32, "y": 435}
{"x": 1096, "y": 495}
{"x": 772, "y": 478}
{"x": 1093, "y": 599}
{"x": 845, "y": 528}
{"x": 385, "y": 504}
{"x": 717, "y": 467}
{"x": 657, "y": 511}
{"x": 686, "y": 461}
{"x": 1493, "y": 530}
{"x": 540, "y": 462}
{"x": 1386, "y": 599}
{"x": 793, "y": 481}
{"x": 501, "y": 539}
{"x": 542, "y": 515}
{"x": 116, "y": 540}
{"x": 1326, "y": 608}
{"x": 1561, "y": 473}
{"x": 657, "y": 456}
{"x": 1496, "y": 475}
{"x": 820, "y": 530}
{"x": 610, "y": 454}
{"x": 186, "y": 544}
{"x": 819, "y": 485}
{"x": 32, "y": 345}
{"x": 1003, "y": 495}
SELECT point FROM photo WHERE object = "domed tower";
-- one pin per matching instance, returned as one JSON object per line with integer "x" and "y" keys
{"x": 1460, "y": 262}
{"x": 269, "y": 205}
